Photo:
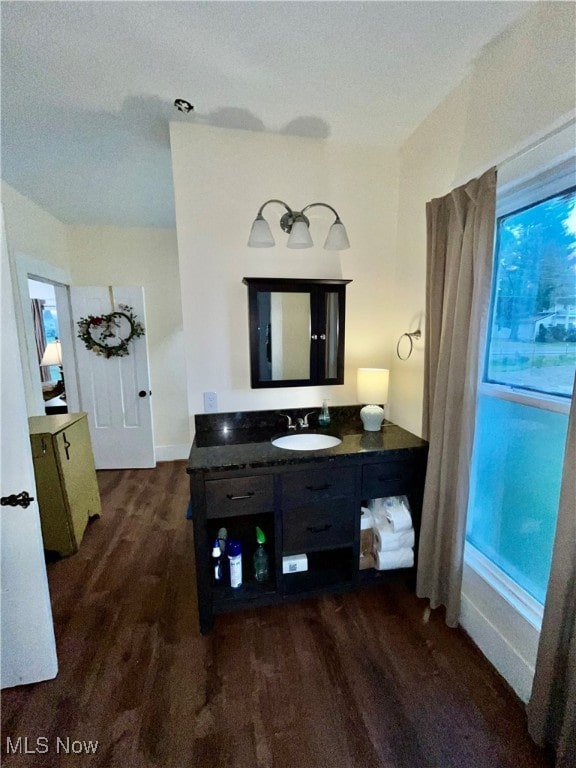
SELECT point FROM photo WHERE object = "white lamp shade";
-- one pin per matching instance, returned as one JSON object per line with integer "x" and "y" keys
{"x": 299, "y": 236}
{"x": 52, "y": 354}
{"x": 372, "y": 385}
{"x": 260, "y": 234}
{"x": 337, "y": 239}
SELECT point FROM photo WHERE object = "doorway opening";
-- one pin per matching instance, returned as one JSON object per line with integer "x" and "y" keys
{"x": 48, "y": 347}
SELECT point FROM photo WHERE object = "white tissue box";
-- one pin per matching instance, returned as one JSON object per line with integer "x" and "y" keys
{"x": 294, "y": 563}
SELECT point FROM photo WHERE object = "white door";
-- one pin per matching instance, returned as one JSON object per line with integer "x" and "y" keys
{"x": 115, "y": 391}
{"x": 28, "y": 647}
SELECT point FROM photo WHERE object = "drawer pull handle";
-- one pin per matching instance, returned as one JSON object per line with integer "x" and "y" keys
{"x": 319, "y": 528}
{"x": 384, "y": 479}
{"x": 318, "y": 487}
{"x": 236, "y": 498}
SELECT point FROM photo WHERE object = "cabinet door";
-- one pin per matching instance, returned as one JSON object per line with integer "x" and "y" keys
{"x": 76, "y": 463}
{"x": 296, "y": 331}
{"x": 57, "y": 535}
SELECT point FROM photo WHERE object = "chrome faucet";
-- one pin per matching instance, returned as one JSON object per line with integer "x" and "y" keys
{"x": 303, "y": 423}
{"x": 290, "y": 425}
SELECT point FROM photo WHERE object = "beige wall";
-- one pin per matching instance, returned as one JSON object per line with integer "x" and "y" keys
{"x": 522, "y": 84}
{"x": 104, "y": 256}
{"x": 33, "y": 232}
{"x": 147, "y": 257}
{"x": 221, "y": 177}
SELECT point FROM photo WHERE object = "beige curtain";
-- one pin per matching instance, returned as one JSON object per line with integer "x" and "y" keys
{"x": 39, "y": 336}
{"x": 459, "y": 265}
{"x": 552, "y": 707}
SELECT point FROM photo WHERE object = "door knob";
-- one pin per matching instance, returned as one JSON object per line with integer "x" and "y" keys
{"x": 143, "y": 393}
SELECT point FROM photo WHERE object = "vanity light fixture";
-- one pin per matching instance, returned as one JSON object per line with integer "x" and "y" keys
{"x": 372, "y": 387}
{"x": 297, "y": 225}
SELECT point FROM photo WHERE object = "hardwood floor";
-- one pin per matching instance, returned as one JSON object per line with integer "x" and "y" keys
{"x": 356, "y": 680}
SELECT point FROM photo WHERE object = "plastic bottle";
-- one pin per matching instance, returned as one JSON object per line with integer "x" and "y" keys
{"x": 217, "y": 562}
{"x": 324, "y": 417}
{"x": 260, "y": 557}
{"x": 235, "y": 561}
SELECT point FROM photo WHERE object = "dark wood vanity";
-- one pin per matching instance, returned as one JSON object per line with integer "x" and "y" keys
{"x": 305, "y": 502}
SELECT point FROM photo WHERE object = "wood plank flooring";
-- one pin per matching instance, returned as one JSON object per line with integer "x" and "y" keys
{"x": 348, "y": 681}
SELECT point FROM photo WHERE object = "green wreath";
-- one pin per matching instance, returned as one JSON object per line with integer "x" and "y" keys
{"x": 100, "y": 333}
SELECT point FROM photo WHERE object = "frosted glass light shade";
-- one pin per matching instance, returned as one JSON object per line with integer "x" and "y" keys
{"x": 52, "y": 354}
{"x": 260, "y": 234}
{"x": 337, "y": 239}
{"x": 372, "y": 388}
{"x": 299, "y": 236}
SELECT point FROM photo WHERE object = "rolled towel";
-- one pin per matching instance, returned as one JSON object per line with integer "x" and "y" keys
{"x": 398, "y": 513}
{"x": 386, "y": 540}
{"x": 376, "y": 507}
{"x": 366, "y": 520}
{"x": 398, "y": 558}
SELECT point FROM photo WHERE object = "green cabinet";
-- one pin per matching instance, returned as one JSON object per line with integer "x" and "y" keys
{"x": 66, "y": 483}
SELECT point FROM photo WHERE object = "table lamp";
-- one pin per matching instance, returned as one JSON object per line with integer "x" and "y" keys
{"x": 372, "y": 388}
{"x": 53, "y": 356}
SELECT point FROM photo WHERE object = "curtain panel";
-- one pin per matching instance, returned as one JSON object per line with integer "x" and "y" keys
{"x": 460, "y": 243}
{"x": 39, "y": 335}
{"x": 552, "y": 706}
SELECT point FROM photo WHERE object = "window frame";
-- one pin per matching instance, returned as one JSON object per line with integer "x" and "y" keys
{"x": 513, "y": 197}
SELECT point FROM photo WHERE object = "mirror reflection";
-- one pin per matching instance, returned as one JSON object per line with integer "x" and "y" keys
{"x": 283, "y": 335}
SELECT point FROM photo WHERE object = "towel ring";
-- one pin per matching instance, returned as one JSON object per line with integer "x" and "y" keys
{"x": 411, "y": 336}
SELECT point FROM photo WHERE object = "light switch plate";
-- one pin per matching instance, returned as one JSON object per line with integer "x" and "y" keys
{"x": 210, "y": 402}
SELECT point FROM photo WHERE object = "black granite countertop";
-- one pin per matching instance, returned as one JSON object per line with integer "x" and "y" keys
{"x": 231, "y": 441}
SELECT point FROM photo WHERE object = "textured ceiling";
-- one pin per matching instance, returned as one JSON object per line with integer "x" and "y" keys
{"x": 88, "y": 87}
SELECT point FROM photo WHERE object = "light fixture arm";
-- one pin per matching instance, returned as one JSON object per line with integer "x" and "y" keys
{"x": 273, "y": 200}
{"x": 324, "y": 205}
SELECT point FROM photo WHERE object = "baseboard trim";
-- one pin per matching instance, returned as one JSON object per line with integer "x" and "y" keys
{"x": 496, "y": 645}
{"x": 172, "y": 452}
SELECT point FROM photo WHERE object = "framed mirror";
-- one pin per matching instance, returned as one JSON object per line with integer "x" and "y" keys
{"x": 296, "y": 331}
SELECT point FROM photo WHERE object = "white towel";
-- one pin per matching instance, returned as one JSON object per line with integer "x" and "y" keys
{"x": 397, "y": 511}
{"x": 386, "y": 540}
{"x": 366, "y": 520}
{"x": 395, "y": 508}
{"x": 398, "y": 558}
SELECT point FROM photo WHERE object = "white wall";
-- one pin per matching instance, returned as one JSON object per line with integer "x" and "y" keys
{"x": 522, "y": 85}
{"x": 147, "y": 257}
{"x": 221, "y": 177}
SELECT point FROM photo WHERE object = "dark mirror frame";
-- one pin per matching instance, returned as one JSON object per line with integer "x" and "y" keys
{"x": 317, "y": 290}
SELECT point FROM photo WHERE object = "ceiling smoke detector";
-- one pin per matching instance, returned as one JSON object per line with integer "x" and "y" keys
{"x": 183, "y": 106}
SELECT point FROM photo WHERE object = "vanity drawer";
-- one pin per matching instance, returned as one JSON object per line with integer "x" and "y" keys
{"x": 239, "y": 496}
{"x": 311, "y": 528}
{"x": 316, "y": 484}
{"x": 389, "y": 478}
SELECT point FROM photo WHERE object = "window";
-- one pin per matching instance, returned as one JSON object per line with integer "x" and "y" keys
{"x": 522, "y": 406}
{"x": 533, "y": 336}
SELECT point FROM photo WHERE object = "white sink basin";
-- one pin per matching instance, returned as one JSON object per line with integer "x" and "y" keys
{"x": 306, "y": 441}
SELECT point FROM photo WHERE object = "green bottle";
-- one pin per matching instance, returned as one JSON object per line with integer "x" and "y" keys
{"x": 260, "y": 557}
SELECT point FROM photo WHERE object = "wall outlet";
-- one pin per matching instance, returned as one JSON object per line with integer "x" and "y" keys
{"x": 210, "y": 402}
